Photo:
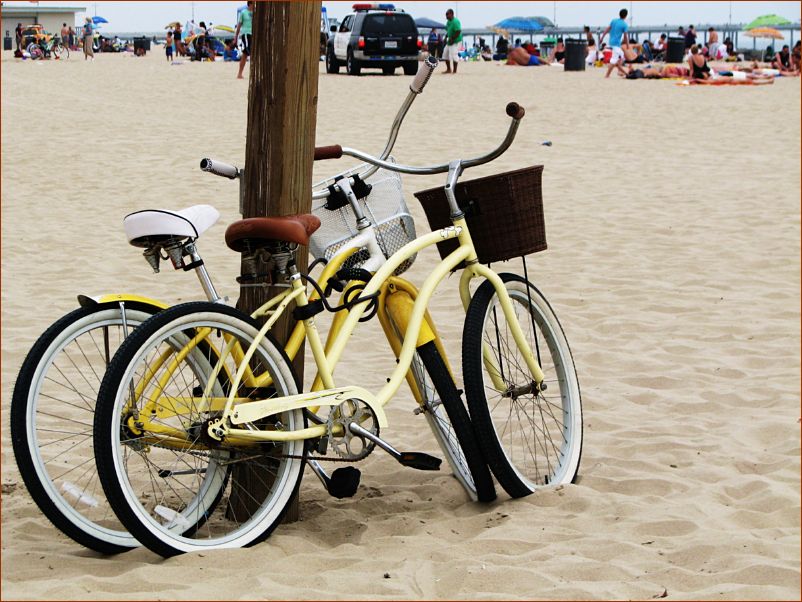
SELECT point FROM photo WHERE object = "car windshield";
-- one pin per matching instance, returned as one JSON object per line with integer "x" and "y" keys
{"x": 389, "y": 23}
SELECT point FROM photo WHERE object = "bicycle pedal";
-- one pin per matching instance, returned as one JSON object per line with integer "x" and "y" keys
{"x": 344, "y": 482}
{"x": 419, "y": 461}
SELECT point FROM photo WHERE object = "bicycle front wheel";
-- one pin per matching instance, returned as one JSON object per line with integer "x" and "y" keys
{"x": 52, "y": 412}
{"x": 532, "y": 438}
{"x": 174, "y": 487}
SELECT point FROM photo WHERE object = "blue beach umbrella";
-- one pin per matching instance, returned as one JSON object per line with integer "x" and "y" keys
{"x": 97, "y": 20}
{"x": 527, "y": 24}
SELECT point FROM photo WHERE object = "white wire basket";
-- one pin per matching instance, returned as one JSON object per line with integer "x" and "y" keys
{"x": 386, "y": 210}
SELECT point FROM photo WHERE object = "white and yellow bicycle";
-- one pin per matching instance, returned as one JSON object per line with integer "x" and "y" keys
{"x": 201, "y": 431}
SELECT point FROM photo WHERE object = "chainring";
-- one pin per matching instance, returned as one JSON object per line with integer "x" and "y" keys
{"x": 346, "y": 444}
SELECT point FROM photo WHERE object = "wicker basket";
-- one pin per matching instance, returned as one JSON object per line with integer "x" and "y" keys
{"x": 504, "y": 214}
{"x": 385, "y": 209}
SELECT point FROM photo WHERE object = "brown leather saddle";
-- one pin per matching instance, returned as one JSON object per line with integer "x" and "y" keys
{"x": 259, "y": 232}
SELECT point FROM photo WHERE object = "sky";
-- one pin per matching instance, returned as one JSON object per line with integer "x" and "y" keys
{"x": 153, "y": 16}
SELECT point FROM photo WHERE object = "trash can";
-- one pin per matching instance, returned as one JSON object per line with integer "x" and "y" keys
{"x": 143, "y": 43}
{"x": 575, "y": 52}
{"x": 675, "y": 53}
{"x": 7, "y": 43}
{"x": 546, "y": 49}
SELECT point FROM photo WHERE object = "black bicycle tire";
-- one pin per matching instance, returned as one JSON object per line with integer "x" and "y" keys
{"x": 460, "y": 420}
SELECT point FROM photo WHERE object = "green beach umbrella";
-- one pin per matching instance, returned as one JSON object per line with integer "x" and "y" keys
{"x": 767, "y": 21}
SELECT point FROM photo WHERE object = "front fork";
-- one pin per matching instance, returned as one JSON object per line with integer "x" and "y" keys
{"x": 474, "y": 269}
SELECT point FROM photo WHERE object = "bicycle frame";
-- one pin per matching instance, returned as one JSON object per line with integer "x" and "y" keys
{"x": 326, "y": 362}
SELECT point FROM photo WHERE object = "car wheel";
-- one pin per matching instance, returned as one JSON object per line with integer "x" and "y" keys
{"x": 332, "y": 64}
{"x": 352, "y": 66}
{"x": 411, "y": 68}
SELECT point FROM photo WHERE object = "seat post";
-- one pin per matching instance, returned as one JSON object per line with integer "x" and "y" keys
{"x": 203, "y": 275}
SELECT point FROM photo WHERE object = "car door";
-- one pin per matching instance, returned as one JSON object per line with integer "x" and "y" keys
{"x": 342, "y": 37}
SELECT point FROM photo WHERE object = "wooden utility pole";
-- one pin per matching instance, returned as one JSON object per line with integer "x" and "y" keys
{"x": 280, "y": 140}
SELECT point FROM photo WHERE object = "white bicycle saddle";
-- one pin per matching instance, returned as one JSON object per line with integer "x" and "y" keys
{"x": 142, "y": 227}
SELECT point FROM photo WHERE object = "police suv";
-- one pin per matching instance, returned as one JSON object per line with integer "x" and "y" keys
{"x": 375, "y": 35}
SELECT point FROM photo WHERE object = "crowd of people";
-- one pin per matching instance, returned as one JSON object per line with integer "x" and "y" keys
{"x": 198, "y": 42}
{"x": 628, "y": 57}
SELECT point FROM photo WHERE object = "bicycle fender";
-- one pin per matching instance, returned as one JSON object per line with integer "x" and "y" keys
{"x": 399, "y": 306}
{"x": 87, "y": 301}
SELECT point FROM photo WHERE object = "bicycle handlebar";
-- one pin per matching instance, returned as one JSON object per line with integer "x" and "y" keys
{"x": 334, "y": 151}
{"x": 424, "y": 74}
{"x": 513, "y": 109}
{"x": 219, "y": 168}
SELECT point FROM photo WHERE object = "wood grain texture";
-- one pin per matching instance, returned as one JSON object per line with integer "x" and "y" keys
{"x": 279, "y": 148}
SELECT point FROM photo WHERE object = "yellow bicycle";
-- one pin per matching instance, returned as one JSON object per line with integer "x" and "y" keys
{"x": 201, "y": 431}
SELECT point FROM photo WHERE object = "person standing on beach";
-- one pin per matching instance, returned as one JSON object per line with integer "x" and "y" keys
{"x": 65, "y": 34}
{"x": 433, "y": 42}
{"x": 591, "y": 47}
{"x": 88, "y": 34}
{"x": 18, "y": 35}
{"x": 179, "y": 45}
{"x": 690, "y": 37}
{"x": 244, "y": 27}
{"x": 453, "y": 38}
{"x": 168, "y": 46}
{"x": 618, "y": 32}
{"x": 712, "y": 43}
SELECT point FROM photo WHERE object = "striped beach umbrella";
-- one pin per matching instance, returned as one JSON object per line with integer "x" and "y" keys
{"x": 765, "y": 32}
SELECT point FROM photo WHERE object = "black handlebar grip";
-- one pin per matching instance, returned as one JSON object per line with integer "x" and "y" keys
{"x": 515, "y": 110}
{"x": 334, "y": 151}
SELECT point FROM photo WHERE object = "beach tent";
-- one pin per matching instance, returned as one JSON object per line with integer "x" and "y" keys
{"x": 767, "y": 21}
{"x": 765, "y": 32}
{"x": 526, "y": 24}
{"x": 544, "y": 21}
{"x": 426, "y": 23}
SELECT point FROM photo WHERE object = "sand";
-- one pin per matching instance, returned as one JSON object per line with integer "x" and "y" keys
{"x": 673, "y": 224}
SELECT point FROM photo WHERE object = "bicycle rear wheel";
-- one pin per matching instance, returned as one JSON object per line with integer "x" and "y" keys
{"x": 52, "y": 412}
{"x": 166, "y": 479}
{"x": 532, "y": 438}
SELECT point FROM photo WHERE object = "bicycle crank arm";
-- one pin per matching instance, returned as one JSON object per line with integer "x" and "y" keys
{"x": 417, "y": 460}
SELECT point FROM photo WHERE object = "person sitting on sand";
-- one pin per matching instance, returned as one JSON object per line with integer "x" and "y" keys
{"x": 698, "y": 64}
{"x": 782, "y": 60}
{"x": 559, "y": 51}
{"x": 796, "y": 57}
{"x": 519, "y": 56}
{"x": 230, "y": 53}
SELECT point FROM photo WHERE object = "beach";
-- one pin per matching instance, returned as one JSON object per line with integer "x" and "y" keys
{"x": 673, "y": 225}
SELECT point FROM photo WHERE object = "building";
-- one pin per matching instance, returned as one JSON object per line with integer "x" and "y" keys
{"x": 49, "y": 17}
